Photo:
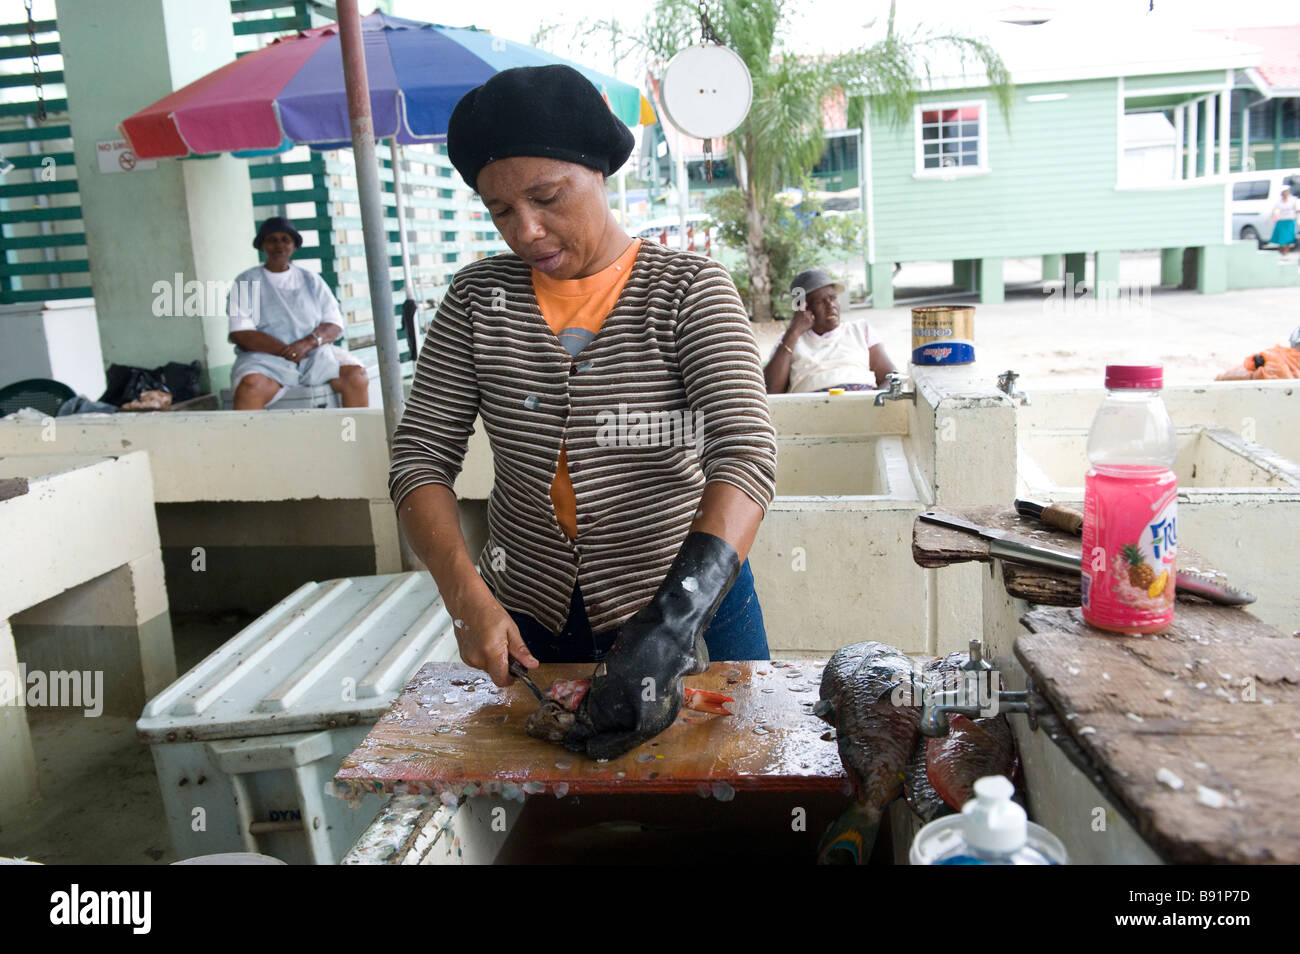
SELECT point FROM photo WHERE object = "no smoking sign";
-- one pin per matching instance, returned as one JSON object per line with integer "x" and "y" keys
{"x": 116, "y": 155}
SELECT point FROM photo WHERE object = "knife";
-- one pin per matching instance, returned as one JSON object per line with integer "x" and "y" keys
{"x": 1071, "y": 521}
{"x": 517, "y": 670}
{"x": 1001, "y": 546}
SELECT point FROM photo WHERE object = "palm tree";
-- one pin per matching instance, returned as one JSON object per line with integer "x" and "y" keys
{"x": 781, "y": 139}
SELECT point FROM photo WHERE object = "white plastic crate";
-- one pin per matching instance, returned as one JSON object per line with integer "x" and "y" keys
{"x": 245, "y": 742}
{"x": 295, "y": 397}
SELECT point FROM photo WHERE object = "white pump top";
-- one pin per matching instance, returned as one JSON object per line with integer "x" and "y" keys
{"x": 991, "y": 821}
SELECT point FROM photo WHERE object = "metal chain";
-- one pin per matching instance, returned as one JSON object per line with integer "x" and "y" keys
{"x": 707, "y": 35}
{"x": 36, "y": 64}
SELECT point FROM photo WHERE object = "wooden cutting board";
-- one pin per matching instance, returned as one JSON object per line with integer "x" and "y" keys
{"x": 451, "y": 728}
{"x": 1182, "y": 702}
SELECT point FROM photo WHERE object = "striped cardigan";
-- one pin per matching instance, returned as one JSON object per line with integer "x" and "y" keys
{"x": 668, "y": 395}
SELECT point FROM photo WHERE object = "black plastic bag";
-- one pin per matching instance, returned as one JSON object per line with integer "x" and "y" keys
{"x": 181, "y": 379}
{"x": 126, "y": 383}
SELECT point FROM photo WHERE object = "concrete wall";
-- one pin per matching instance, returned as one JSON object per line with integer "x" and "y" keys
{"x": 1260, "y": 411}
{"x": 193, "y": 217}
{"x": 1239, "y": 501}
{"x": 249, "y": 505}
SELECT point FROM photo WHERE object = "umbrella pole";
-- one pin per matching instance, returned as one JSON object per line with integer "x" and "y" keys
{"x": 372, "y": 212}
{"x": 372, "y": 225}
{"x": 395, "y": 153}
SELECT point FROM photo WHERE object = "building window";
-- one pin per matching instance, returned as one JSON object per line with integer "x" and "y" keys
{"x": 950, "y": 139}
{"x": 1290, "y": 117}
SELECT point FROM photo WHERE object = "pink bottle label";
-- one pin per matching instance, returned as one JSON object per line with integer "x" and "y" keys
{"x": 1130, "y": 545}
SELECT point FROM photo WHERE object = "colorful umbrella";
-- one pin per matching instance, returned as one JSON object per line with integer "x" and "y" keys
{"x": 292, "y": 91}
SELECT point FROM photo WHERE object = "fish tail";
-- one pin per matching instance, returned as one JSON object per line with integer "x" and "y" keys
{"x": 850, "y": 838}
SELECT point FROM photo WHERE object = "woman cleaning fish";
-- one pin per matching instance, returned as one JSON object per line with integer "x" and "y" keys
{"x": 604, "y": 544}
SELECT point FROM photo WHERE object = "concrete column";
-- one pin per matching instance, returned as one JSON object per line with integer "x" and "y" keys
{"x": 1171, "y": 266}
{"x": 882, "y": 284}
{"x": 1106, "y": 271}
{"x": 968, "y": 430}
{"x": 1212, "y": 269}
{"x": 192, "y": 218}
{"x": 990, "y": 279}
{"x": 116, "y": 624}
{"x": 1051, "y": 268}
{"x": 963, "y": 273}
{"x": 1076, "y": 264}
{"x": 17, "y": 760}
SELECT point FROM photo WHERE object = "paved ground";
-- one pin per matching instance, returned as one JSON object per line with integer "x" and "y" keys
{"x": 100, "y": 798}
{"x": 1053, "y": 342}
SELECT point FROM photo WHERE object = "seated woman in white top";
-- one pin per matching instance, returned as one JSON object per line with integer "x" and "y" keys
{"x": 817, "y": 352}
{"x": 283, "y": 322}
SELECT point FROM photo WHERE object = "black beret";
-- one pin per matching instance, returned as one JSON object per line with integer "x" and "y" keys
{"x": 277, "y": 223}
{"x": 549, "y": 111}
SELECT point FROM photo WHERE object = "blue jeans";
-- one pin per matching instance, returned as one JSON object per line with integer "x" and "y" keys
{"x": 736, "y": 631}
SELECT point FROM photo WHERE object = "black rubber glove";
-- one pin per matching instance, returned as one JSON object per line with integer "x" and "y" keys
{"x": 636, "y": 692}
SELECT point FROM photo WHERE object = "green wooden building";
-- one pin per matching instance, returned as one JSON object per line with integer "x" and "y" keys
{"x": 1117, "y": 139}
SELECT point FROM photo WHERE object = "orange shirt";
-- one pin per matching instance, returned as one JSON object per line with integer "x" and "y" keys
{"x": 575, "y": 309}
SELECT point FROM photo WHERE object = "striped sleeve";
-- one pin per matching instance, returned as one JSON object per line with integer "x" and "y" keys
{"x": 429, "y": 443}
{"x": 723, "y": 375}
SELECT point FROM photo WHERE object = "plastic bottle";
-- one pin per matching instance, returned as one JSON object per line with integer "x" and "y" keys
{"x": 991, "y": 830}
{"x": 1130, "y": 509}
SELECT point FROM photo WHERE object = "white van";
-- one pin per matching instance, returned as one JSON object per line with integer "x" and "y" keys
{"x": 667, "y": 228}
{"x": 1253, "y": 196}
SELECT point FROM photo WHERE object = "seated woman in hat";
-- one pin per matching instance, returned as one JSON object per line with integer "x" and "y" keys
{"x": 819, "y": 352}
{"x": 620, "y": 387}
{"x": 283, "y": 322}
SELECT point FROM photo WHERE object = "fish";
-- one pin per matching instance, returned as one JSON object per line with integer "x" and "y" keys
{"x": 882, "y": 749}
{"x": 555, "y": 716}
{"x": 925, "y": 802}
{"x": 875, "y": 737}
{"x": 972, "y": 749}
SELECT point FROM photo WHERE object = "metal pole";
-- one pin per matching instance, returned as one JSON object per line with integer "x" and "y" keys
{"x": 683, "y": 191}
{"x": 372, "y": 227}
{"x": 372, "y": 212}
{"x": 395, "y": 152}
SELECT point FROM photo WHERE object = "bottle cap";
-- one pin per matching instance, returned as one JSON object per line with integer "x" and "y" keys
{"x": 992, "y": 822}
{"x": 1137, "y": 376}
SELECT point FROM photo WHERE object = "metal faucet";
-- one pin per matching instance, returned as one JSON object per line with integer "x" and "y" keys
{"x": 895, "y": 392}
{"x": 935, "y": 710}
{"x": 1007, "y": 384}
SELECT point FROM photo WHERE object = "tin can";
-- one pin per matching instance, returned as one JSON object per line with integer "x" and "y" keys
{"x": 943, "y": 334}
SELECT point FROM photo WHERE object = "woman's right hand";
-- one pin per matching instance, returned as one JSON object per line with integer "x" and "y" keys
{"x": 487, "y": 636}
{"x": 799, "y": 323}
